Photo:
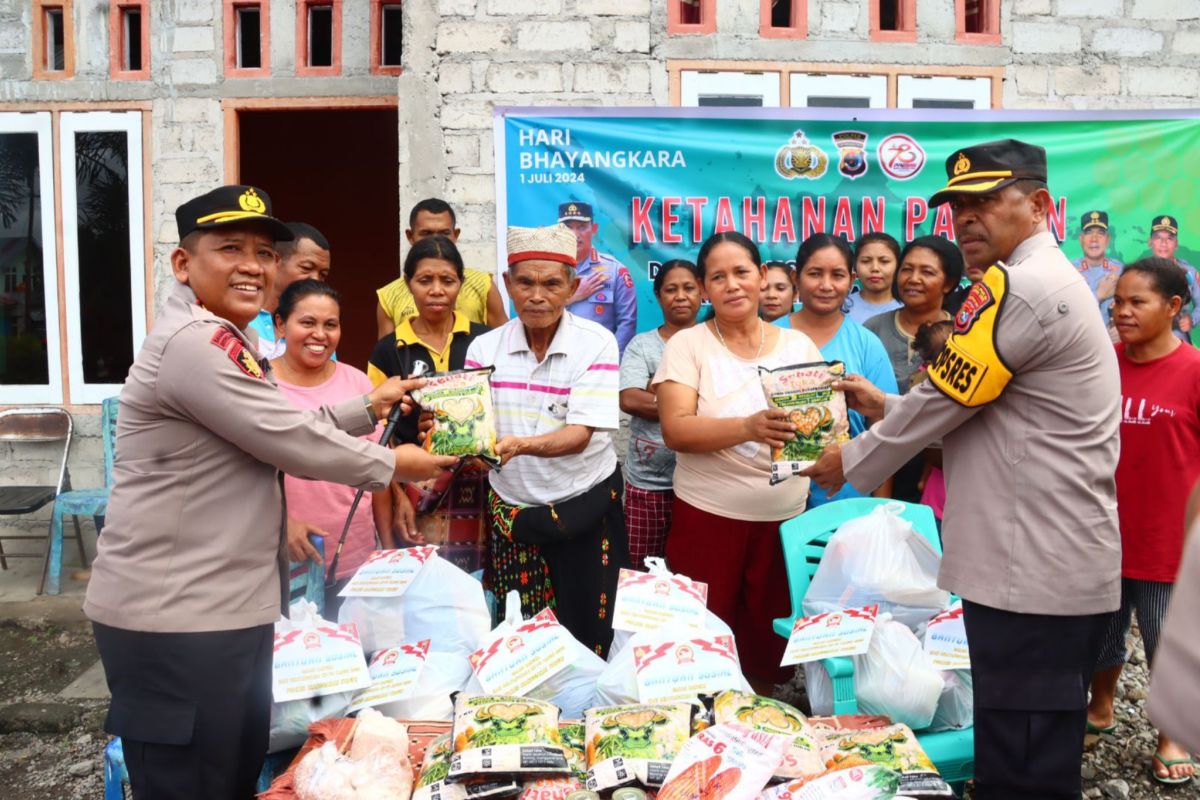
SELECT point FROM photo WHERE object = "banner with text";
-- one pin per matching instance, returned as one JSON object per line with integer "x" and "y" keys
{"x": 660, "y": 181}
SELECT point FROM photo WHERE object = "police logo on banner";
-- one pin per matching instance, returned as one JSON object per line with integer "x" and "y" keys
{"x": 799, "y": 158}
{"x": 900, "y": 156}
{"x": 852, "y": 153}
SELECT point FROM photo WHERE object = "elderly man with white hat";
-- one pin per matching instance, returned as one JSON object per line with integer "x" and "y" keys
{"x": 558, "y": 530}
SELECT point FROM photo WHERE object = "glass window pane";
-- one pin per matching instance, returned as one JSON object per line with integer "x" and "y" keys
{"x": 133, "y": 38}
{"x": 249, "y": 49}
{"x": 919, "y": 103}
{"x": 320, "y": 36}
{"x": 56, "y": 59}
{"x": 392, "y": 39}
{"x": 839, "y": 102}
{"x": 781, "y": 13}
{"x": 23, "y": 356}
{"x": 102, "y": 226}
{"x": 747, "y": 101}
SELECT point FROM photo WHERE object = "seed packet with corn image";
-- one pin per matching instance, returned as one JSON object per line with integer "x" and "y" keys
{"x": 816, "y": 410}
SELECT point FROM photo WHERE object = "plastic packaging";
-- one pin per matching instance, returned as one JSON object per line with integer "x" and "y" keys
{"x": 497, "y": 737}
{"x": 895, "y": 747}
{"x": 464, "y": 422}
{"x": 725, "y": 762}
{"x": 956, "y": 706}
{"x": 634, "y": 744}
{"x": 442, "y": 604}
{"x": 816, "y": 410}
{"x": 803, "y": 756}
{"x": 878, "y": 559}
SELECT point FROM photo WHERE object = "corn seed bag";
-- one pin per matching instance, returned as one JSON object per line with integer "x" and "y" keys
{"x": 816, "y": 411}
{"x": 802, "y": 758}
{"x": 498, "y": 737}
{"x": 464, "y": 422}
{"x": 634, "y": 744}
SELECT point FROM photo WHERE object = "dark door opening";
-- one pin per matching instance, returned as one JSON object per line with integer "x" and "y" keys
{"x": 337, "y": 170}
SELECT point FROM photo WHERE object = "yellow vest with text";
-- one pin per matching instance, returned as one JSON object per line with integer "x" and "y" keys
{"x": 970, "y": 370}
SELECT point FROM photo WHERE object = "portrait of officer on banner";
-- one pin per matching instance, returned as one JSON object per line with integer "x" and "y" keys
{"x": 1164, "y": 242}
{"x": 605, "y": 294}
{"x": 1100, "y": 271}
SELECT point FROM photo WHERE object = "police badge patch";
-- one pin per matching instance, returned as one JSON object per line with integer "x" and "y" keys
{"x": 977, "y": 301}
{"x": 237, "y": 353}
{"x": 799, "y": 158}
{"x": 852, "y": 153}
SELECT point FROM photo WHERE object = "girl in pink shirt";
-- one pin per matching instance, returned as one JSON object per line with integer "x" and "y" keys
{"x": 308, "y": 319}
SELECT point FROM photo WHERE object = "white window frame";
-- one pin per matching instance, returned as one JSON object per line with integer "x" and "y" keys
{"x": 52, "y": 391}
{"x": 804, "y": 85}
{"x": 693, "y": 84}
{"x": 918, "y": 87}
{"x": 130, "y": 123}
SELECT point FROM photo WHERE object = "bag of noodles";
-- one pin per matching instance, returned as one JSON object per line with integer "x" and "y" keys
{"x": 816, "y": 410}
{"x": 498, "y": 737}
{"x": 634, "y": 744}
{"x": 802, "y": 759}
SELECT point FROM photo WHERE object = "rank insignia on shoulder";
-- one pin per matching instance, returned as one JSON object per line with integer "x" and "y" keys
{"x": 627, "y": 278}
{"x": 237, "y": 352}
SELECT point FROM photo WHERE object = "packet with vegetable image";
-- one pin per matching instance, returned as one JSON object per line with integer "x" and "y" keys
{"x": 816, "y": 410}
{"x": 464, "y": 421}
{"x": 634, "y": 744}
{"x": 496, "y": 737}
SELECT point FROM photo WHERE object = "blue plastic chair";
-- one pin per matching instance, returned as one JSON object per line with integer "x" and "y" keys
{"x": 82, "y": 502}
{"x": 306, "y": 579}
{"x": 804, "y": 539}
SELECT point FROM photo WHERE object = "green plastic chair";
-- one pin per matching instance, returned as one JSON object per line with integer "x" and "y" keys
{"x": 804, "y": 539}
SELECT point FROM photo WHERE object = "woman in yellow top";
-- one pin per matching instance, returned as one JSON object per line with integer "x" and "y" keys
{"x": 478, "y": 298}
{"x": 436, "y": 337}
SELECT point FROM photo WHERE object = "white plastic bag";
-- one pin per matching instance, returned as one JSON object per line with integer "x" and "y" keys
{"x": 443, "y": 675}
{"x": 442, "y": 604}
{"x": 894, "y": 677}
{"x": 878, "y": 559}
{"x": 571, "y": 688}
{"x": 290, "y": 719}
{"x": 956, "y": 707}
{"x": 617, "y": 684}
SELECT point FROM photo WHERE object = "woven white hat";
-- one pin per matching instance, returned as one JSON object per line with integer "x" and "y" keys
{"x": 551, "y": 243}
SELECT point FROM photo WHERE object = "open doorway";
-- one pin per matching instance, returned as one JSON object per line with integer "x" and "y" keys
{"x": 335, "y": 169}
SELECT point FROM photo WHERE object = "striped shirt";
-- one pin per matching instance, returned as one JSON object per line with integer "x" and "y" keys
{"x": 575, "y": 384}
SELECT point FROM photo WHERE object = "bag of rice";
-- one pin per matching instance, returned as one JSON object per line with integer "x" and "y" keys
{"x": 634, "y": 744}
{"x": 725, "y": 762}
{"x": 464, "y": 422}
{"x": 816, "y": 410}
{"x": 802, "y": 758}
{"x": 497, "y": 737}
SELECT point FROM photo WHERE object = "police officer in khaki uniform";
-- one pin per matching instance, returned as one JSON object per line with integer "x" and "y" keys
{"x": 190, "y": 575}
{"x": 1025, "y": 399}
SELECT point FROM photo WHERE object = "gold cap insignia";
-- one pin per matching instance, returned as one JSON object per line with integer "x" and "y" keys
{"x": 250, "y": 201}
{"x": 1165, "y": 221}
{"x": 1095, "y": 216}
{"x": 962, "y": 165}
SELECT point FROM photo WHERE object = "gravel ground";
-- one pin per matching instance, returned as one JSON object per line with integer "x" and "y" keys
{"x": 52, "y": 749}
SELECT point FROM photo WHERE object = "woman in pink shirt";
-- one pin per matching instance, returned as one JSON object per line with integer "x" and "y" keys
{"x": 308, "y": 319}
{"x": 1160, "y": 436}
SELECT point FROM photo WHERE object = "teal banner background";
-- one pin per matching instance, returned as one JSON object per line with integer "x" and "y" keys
{"x": 663, "y": 180}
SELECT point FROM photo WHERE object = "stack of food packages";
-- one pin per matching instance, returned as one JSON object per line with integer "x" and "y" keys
{"x": 535, "y": 715}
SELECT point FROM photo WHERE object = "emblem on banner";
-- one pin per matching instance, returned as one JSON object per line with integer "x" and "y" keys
{"x": 852, "y": 153}
{"x": 900, "y": 156}
{"x": 799, "y": 158}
